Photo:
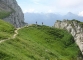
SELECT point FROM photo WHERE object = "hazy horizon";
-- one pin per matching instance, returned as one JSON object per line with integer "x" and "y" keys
{"x": 52, "y": 6}
{"x": 48, "y": 11}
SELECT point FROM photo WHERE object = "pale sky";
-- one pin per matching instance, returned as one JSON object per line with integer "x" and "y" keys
{"x": 52, "y": 6}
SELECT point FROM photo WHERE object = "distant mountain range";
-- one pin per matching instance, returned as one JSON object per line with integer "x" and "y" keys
{"x": 49, "y": 18}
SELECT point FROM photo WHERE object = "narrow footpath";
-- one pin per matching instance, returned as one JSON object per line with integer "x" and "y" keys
{"x": 14, "y": 36}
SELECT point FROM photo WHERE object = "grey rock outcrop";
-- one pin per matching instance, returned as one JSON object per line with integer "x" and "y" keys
{"x": 75, "y": 28}
{"x": 16, "y": 17}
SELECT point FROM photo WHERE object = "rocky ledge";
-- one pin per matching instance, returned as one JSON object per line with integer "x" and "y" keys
{"x": 75, "y": 28}
{"x": 16, "y": 17}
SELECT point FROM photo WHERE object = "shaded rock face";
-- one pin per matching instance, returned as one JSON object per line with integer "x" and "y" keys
{"x": 4, "y": 7}
{"x": 16, "y": 17}
{"x": 74, "y": 28}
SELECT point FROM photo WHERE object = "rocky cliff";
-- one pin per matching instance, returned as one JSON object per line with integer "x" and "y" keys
{"x": 16, "y": 16}
{"x": 75, "y": 28}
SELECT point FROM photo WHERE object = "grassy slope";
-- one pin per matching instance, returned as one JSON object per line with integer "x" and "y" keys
{"x": 40, "y": 43}
{"x": 6, "y": 30}
{"x": 4, "y": 14}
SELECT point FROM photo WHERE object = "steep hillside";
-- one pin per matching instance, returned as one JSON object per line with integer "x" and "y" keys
{"x": 11, "y": 12}
{"x": 6, "y": 30}
{"x": 74, "y": 27}
{"x": 40, "y": 43}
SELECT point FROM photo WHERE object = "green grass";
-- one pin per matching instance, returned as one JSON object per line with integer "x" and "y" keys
{"x": 78, "y": 22}
{"x": 6, "y": 30}
{"x": 40, "y": 43}
{"x": 4, "y": 14}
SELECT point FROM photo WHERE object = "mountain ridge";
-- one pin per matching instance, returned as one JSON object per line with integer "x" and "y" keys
{"x": 14, "y": 14}
{"x": 49, "y": 18}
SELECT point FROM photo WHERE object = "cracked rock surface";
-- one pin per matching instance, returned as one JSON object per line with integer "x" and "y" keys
{"x": 16, "y": 17}
{"x": 74, "y": 28}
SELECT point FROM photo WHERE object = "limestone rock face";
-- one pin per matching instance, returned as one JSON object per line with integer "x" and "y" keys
{"x": 16, "y": 17}
{"x": 75, "y": 28}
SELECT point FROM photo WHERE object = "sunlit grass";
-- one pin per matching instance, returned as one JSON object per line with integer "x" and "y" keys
{"x": 40, "y": 43}
{"x": 6, "y": 30}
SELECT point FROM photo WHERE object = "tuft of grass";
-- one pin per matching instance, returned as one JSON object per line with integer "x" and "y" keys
{"x": 6, "y": 30}
{"x": 78, "y": 22}
{"x": 4, "y": 14}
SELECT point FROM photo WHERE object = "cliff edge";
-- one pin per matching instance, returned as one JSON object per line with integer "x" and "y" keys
{"x": 75, "y": 28}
